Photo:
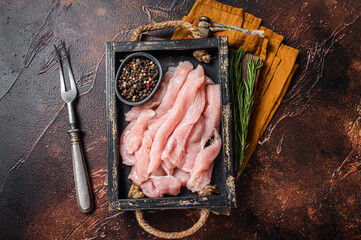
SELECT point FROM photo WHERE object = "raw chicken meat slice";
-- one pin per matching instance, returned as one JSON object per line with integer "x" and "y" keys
{"x": 127, "y": 159}
{"x": 133, "y": 140}
{"x": 157, "y": 186}
{"x": 175, "y": 146}
{"x": 193, "y": 146}
{"x": 204, "y": 128}
{"x": 202, "y": 180}
{"x": 159, "y": 172}
{"x": 166, "y": 185}
{"x": 184, "y": 99}
{"x": 203, "y": 162}
{"x": 212, "y": 113}
{"x": 149, "y": 189}
{"x": 175, "y": 84}
{"x": 138, "y": 179}
{"x": 149, "y": 135}
{"x": 167, "y": 159}
{"x": 133, "y": 175}
{"x": 197, "y": 130}
{"x": 167, "y": 166}
{"x": 182, "y": 176}
{"x": 154, "y": 124}
{"x": 142, "y": 156}
{"x": 190, "y": 156}
{"x": 138, "y": 174}
{"x": 154, "y": 102}
{"x": 168, "y": 148}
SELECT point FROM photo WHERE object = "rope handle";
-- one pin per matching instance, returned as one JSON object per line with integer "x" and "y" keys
{"x": 136, "y": 192}
{"x": 168, "y": 24}
{"x": 200, "y": 55}
{"x": 204, "y": 213}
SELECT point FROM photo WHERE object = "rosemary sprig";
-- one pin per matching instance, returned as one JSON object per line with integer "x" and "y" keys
{"x": 242, "y": 101}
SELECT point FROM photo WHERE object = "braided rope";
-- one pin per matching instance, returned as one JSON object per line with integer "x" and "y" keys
{"x": 204, "y": 213}
{"x": 136, "y": 192}
{"x": 218, "y": 27}
{"x": 169, "y": 24}
{"x": 200, "y": 55}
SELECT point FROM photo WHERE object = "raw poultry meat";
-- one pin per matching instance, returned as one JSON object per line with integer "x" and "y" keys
{"x": 142, "y": 157}
{"x": 185, "y": 98}
{"x": 157, "y": 186}
{"x": 166, "y": 185}
{"x": 203, "y": 162}
{"x": 149, "y": 189}
{"x": 212, "y": 113}
{"x": 193, "y": 146}
{"x": 134, "y": 138}
{"x": 175, "y": 84}
{"x": 128, "y": 159}
{"x": 182, "y": 176}
{"x": 166, "y": 141}
{"x": 174, "y": 149}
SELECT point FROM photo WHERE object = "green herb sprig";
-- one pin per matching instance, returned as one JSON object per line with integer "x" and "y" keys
{"x": 242, "y": 101}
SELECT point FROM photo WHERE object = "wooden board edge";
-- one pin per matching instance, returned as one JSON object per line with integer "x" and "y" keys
{"x": 227, "y": 127}
{"x": 111, "y": 126}
{"x": 162, "y": 45}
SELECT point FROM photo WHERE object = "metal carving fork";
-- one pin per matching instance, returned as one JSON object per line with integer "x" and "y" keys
{"x": 82, "y": 184}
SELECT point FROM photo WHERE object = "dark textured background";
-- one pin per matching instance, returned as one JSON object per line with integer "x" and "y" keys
{"x": 302, "y": 182}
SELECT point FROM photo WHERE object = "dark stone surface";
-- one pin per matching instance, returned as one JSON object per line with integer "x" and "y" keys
{"x": 302, "y": 182}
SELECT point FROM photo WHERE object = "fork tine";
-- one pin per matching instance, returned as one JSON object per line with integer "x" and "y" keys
{"x": 70, "y": 71}
{"x": 62, "y": 81}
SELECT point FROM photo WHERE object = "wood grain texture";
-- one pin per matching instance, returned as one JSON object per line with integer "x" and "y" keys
{"x": 303, "y": 182}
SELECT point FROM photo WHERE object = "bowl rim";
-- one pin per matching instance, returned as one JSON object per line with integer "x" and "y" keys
{"x": 125, "y": 61}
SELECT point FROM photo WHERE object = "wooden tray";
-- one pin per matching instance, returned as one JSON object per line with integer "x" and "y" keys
{"x": 169, "y": 53}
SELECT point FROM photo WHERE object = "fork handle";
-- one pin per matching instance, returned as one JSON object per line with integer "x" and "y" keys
{"x": 82, "y": 184}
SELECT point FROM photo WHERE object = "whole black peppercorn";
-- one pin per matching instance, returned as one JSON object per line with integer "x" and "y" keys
{"x": 138, "y": 79}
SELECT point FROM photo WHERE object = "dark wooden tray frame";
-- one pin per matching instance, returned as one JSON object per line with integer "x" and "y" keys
{"x": 227, "y": 197}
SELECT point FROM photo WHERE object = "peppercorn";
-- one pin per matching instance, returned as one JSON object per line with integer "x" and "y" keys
{"x": 138, "y": 79}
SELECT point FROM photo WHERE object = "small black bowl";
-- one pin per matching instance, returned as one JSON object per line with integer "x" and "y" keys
{"x": 128, "y": 59}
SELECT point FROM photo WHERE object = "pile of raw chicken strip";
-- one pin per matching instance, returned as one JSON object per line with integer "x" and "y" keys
{"x": 173, "y": 139}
